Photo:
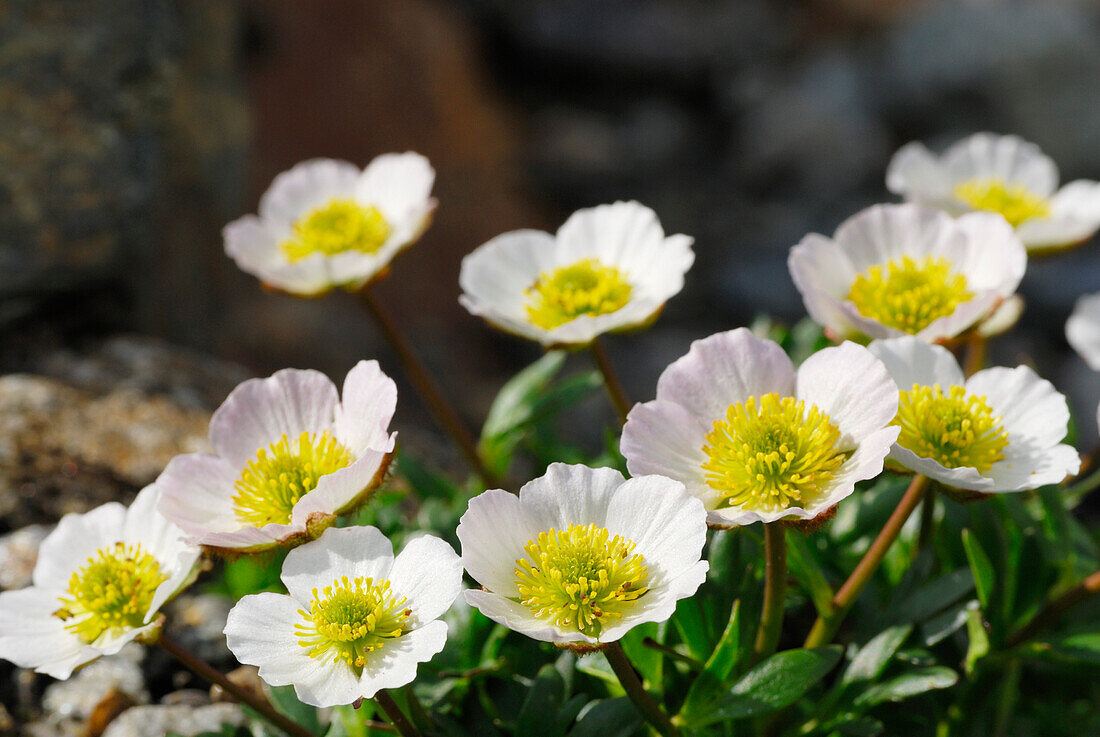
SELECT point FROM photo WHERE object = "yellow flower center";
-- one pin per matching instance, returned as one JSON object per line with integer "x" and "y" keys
{"x": 111, "y": 594}
{"x": 580, "y": 578}
{"x": 584, "y": 288}
{"x": 338, "y": 227}
{"x": 770, "y": 454}
{"x": 281, "y": 474}
{"x": 909, "y": 294}
{"x": 954, "y": 429}
{"x": 1013, "y": 201}
{"x": 351, "y": 618}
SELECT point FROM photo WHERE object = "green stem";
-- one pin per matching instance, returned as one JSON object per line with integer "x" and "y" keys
{"x": 1006, "y": 702}
{"x": 674, "y": 654}
{"x": 927, "y": 522}
{"x": 1050, "y": 613}
{"x": 397, "y": 717}
{"x": 428, "y": 389}
{"x": 610, "y": 379}
{"x": 826, "y": 626}
{"x": 207, "y": 672}
{"x": 649, "y": 708}
{"x": 775, "y": 591}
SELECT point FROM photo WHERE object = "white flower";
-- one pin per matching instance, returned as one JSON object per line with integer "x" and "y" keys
{"x": 905, "y": 269}
{"x": 1083, "y": 329}
{"x": 999, "y": 430}
{"x": 357, "y": 619}
{"x": 326, "y": 224}
{"x": 582, "y": 556}
{"x": 608, "y": 268}
{"x": 99, "y": 581}
{"x": 290, "y": 457}
{"x": 756, "y": 440}
{"x": 1001, "y": 174}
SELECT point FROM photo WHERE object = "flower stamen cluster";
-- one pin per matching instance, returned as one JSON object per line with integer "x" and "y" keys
{"x": 280, "y": 475}
{"x": 584, "y": 288}
{"x": 340, "y": 226}
{"x": 111, "y": 593}
{"x": 909, "y": 294}
{"x": 351, "y": 619}
{"x": 581, "y": 578}
{"x": 1013, "y": 201}
{"x": 771, "y": 453}
{"x": 953, "y": 428}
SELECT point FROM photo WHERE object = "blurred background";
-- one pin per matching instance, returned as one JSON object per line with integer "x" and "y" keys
{"x": 131, "y": 131}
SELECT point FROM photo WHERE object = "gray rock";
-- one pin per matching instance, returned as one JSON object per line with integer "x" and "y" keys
{"x": 196, "y": 622}
{"x": 157, "y": 721}
{"x": 18, "y": 554}
{"x": 78, "y": 696}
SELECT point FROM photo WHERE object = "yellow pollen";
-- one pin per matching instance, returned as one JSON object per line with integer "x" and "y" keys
{"x": 581, "y": 578}
{"x": 1013, "y": 201}
{"x": 955, "y": 429}
{"x": 111, "y": 594}
{"x": 770, "y": 453}
{"x": 909, "y": 294}
{"x": 337, "y": 227}
{"x": 281, "y": 474}
{"x": 351, "y": 619}
{"x": 584, "y": 288}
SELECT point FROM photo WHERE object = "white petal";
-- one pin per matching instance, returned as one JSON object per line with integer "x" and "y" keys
{"x": 252, "y": 244}
{"x": 146, "y": 526}
{"x": 915, "y": 173}
{"x": 492, "y": 533}
{"x": 197, "y": 494}
{"x": 428, "y": 573}
{"x": 1020, "y": 472}
{"x": 1044, "y": 234}
{"x": 76, "y": 538}
{"x": 626, "y": 235}
{"x": 852, "y": 387}
{"x": 993, "y": 258}
{"x": 345, "y": 551}
{"x": 304, "y": 187}
{"x": 963, "y": 477}
{"x": 1032, "y": 411}
{"x": 1007, "y": 158}
{"x": 1083, "y": 329}
{"x": 519, "y": 618}
{"x": 496, "y": 276}
{"x": 664, "y": 438}
{"x": 260, "y": 411}
{"x": 823, "y": 274}
{"x": 31, "y": 637}
{"x": 342, "y": 490}
{"x": 659, "y": 604}
{"x": 366, "y": 408}
{"x": 399, "y": 185}
{"x": 570, "y": 494}
{"x": 883, "y": 233}
{"x": 724, "y": 369}
{"x": 912, "y": 361}
{"x": 394, "y": 665}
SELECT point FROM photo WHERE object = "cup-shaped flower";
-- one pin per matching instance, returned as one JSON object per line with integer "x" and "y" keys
{"x": 1001, "y": 174}
{"x": 758, "y": 441}
{"x": 608, "y": 268}
{"x": 100, "y": 579}
{"x": 581, "y": 555}
{"x": 356, "y": 620}
{"x": 326, "y": 224}
{"x": 895, "y": 270}
{"x": 1083, "y": 329}
{"x": 1000, "y": 430}
{"x": 289, "y": 456}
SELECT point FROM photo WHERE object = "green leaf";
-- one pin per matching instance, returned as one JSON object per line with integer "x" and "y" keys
{"x": 872, "y": 658}
{"x": 718, "y": 667}
{"x": 805, "y": 567}
{"x": 691, "y": 627}
{"x": 978, "y": 647}
{"x": 608, "y": 718}
{"x": 284, "y": 700}
{"x": 538, "y": 716}
{"x": 908, "y": 685}
{"x": 980, "y": 566}
{"x": 774, "y": 684}
{"x": 515, "y": 400}
{"x": 1079, "y": 648}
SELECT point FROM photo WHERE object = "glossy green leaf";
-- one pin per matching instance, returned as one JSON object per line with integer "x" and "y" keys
{"x": 284, "y": 700}
{"x": 872, "y": 658}
{"x": 980, "y": 566}
{"x": 538, "y": 717}
{"x": 804, "y": 565}
{"x": 908, "y": 685}
{"x": 718, "y": 667}
{"x": 608, "y": 718}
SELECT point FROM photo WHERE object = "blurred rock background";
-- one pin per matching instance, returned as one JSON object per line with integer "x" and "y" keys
{"x": 131, "y": 131}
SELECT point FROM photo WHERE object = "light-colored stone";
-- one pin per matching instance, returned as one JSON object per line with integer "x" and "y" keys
{"x": 157, "y": 721}
{"x": 18, "y": 554}
{"x": 78, "y": 696}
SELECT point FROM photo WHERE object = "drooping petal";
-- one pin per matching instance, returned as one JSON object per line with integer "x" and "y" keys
{"x": 1083, "y": 329}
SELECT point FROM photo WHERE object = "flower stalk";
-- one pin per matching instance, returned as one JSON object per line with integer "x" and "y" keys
{"x": 627, "y": 676}
{"x": 1050, "y": 613}
{"x": 397, "y": 717}
{"x": 427, "y": 388}
{"x": 207, "y": 672}
{"x": 826, "y": 626}
{"x": 775, "y": 591}
{"x": 610, "y": 379}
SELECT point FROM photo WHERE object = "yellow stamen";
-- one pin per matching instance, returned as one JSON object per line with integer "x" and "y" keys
{"x": 337, "y": 227}
{"x": 1013, "y": 201}
{"x": 909, "y": 294}
{"x": 280, "y": 475}
{"x": 111, "y": 594}
{"x": 955, "y": 429}
{"x": 771, "y": 453}
{"x": 351, "y": 619}
{"x": 584, "y": 288}
{"x": 580, "y": 578}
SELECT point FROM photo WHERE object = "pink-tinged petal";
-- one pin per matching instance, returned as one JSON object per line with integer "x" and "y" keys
{"x": 912, "y": 361}
{"x": 197, "y": 494}
{"x": 366, "y": 409}
{"x": 664, "y": 438}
